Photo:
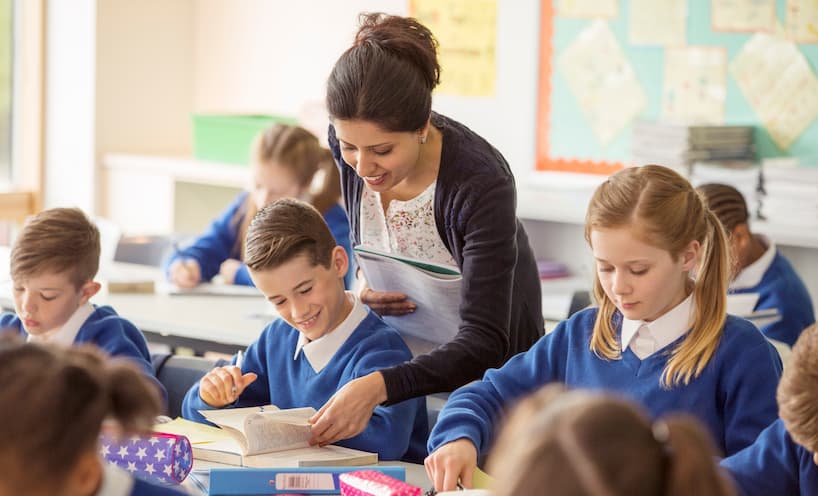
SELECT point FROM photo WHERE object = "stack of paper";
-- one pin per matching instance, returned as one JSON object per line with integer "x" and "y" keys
{"x": 791, "y": 195}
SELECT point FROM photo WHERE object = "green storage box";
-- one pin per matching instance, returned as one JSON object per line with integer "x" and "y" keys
{"x": 227, "y": 138}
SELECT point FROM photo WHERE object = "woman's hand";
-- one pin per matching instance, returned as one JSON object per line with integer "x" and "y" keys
{"x": 228, "y": 270}
{"x": 223, "y": 385}
{"x": 452, "y": 463}
{"x": 384, "y": 303}
{"x": 347, "y": 413}
{"x": 185, "y": 272}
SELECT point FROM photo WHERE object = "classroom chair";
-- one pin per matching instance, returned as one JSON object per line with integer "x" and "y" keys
{"x": 178, "y": 373}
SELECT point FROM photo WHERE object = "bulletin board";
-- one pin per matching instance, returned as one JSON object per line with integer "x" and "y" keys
{"x": 566, "y": 140}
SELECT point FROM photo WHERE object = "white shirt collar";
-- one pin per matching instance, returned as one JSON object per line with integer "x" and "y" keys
{"x": 68, "y": 332}
{"x": 751, "y": 276}
{"x": 115, "y": 481}
{"x": 664, "y": 330}
{"x": 321, "y": 351}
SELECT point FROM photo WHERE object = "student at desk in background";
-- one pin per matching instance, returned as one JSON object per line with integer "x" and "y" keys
{"x": 53, "y": 265}
{"x": 325, "y": 337}
{"x": 419, "y": 184}
{"x": 760, "y": 267}
{"x": 55, "y": 401}
{"x": 580, "y": 443}
{"x": 287, "y": 162}
{"x": 659, "y": 336}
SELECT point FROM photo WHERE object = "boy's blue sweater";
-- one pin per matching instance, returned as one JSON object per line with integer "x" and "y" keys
{"x": 144, "y": 488}
{"x": 774, "y": 464}
{"x": 395, "y": 432}
{"x": 115, "y": 335}
{"x": 734, "y": 395}
{"x": 781, "y": 288}
{"x": 218, "y": 243}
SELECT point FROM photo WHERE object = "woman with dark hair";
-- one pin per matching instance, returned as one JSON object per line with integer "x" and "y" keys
{"x": 419, "y": 184}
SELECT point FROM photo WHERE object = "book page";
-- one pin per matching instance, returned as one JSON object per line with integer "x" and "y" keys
{"x": 313, "y": 456}
{"x": 234, "y": 417}
{"x": 267, "y": 433}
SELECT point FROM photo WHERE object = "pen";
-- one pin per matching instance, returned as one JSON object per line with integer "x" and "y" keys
{"x": 239, "y": 361}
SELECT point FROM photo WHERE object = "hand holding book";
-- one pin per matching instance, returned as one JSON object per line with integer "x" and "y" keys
{"x": 386, "y": 303}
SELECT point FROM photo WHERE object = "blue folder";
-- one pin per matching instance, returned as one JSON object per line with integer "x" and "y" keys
{"x": 295, "y": 480}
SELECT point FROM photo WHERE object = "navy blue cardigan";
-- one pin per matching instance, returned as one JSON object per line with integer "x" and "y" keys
{"x": 475, "y": 212}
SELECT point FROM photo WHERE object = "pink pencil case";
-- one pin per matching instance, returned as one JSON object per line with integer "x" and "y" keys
{"x": 159, "y": 457}
{"x": 372, "y": 483}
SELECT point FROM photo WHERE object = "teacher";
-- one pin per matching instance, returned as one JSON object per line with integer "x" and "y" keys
{"x": 420, "y": 184}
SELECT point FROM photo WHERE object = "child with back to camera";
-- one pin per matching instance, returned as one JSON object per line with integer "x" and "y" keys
{"x": 324, "y": 338}
{"x": 55, "y": 400}
{"x": 659, "y": 336}
{"x": 285, "y": 160}
{"x": 579, "y": 443}
{"x": 760, "y": 267}
{"x": 53, "y": 265}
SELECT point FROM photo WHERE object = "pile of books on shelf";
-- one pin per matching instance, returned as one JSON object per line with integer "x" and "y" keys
{"x": 680, "y": 145}
{"x": 791, "y": 194}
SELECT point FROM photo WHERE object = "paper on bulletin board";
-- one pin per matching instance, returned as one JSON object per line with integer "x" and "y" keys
{"x": 743, "y": 15}
{"x": 802, "y": 20}
{"x": 587, "y": 9}
{"x": 466, "y": 32}
{"x": 658, "y": 22}
{"x": 602, "y": 80}
{"x": 779, "y": 84}
{"x": 694, "y": 85}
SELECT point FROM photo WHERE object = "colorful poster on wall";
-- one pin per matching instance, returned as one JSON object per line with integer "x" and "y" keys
{"x": 743, "y": 15}
{"x": 466, "y": 31}
{"x": 587, "y": 9}
{"x": 694, "y": 85}
{"x": 602, "y": 80}
{"x": 779, "y": 84}
{"x": 658, "y": 22}
{"x": 802, "y": 20}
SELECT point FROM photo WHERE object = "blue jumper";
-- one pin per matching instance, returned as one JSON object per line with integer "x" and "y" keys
{"x": 781, "y": 288}
{"x": 144, "y": 488}
{"x": 395, "y": 432}
{"x": 219, "y": 242}
{"x": 774, "y": 464}
{"x": 734, "y": 395}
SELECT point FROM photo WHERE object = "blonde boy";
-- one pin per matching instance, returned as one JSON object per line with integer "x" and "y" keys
{"x": 325, "y": 337}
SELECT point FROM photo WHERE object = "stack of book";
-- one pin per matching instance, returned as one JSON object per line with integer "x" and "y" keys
{"x": 678, "y": 146}
{"x": 791, "y": 195}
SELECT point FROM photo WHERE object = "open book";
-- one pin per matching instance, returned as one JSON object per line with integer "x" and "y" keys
{"x": 435, "y": 288}
{"x": 262, "y": 437}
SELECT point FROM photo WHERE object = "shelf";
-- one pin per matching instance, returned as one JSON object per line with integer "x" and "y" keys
{"x": 183, "y": 169}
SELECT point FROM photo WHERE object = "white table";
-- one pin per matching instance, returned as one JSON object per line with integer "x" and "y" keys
{"x": 201, "y": 322}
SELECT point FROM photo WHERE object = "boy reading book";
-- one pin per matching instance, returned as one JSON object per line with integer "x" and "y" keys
{"x": 53, "y": 265}
{"x": 325, "y": 337}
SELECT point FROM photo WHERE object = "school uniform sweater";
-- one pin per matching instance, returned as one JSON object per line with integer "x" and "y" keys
{"x": 395, "y": 432}
{"x": 774, "y": 464}
{"x": 734, "y": 395}
{"x": 475, "y": 214}
{"x": 781, "y": 288}
{"x": 218, "y": 243}
{"x": 106, "y": 329}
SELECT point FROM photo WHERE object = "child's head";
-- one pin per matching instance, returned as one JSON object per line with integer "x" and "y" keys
{"x": 798, "y": 391}
{"x": 581, "y": 443}
{"x": 53, "y": 264}
{"x": 730, "y": 207}
{"x": 650, "y": 232}
{"x": 54, "y": 402}
{"x": 295, "y": 263}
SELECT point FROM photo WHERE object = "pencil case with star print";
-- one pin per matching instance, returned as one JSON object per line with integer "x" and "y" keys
{"x": 158, "y": 457}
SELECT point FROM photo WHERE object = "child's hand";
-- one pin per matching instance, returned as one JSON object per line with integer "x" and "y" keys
{"x": 185, "y": 273}
{"x": 223, "y": 385}
{"x": 452, "y": 463}
{"x": 384, "y": 303}
{"x": 228, "y": 270}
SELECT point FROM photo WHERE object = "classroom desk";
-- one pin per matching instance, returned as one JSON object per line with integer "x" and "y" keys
{"x": 201, "y": 322}
{"x": 415, "y": 475}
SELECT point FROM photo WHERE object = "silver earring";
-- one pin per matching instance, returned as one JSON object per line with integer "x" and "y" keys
{"x": 422, "y": 139}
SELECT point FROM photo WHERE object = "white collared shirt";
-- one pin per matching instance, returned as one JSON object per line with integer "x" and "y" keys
{"x": 751, "y": 276}
{"x": 646, "y": 338}
{"x": 115, "y": 481}
{"x": 68, "y": 332}
{"x": 321, "y": 351}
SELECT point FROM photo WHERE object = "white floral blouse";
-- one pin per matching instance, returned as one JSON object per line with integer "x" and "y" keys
{"x": 408, "y": 228}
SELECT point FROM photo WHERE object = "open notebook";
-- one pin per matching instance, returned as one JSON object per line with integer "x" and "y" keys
{"x": 262, "y": 437}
